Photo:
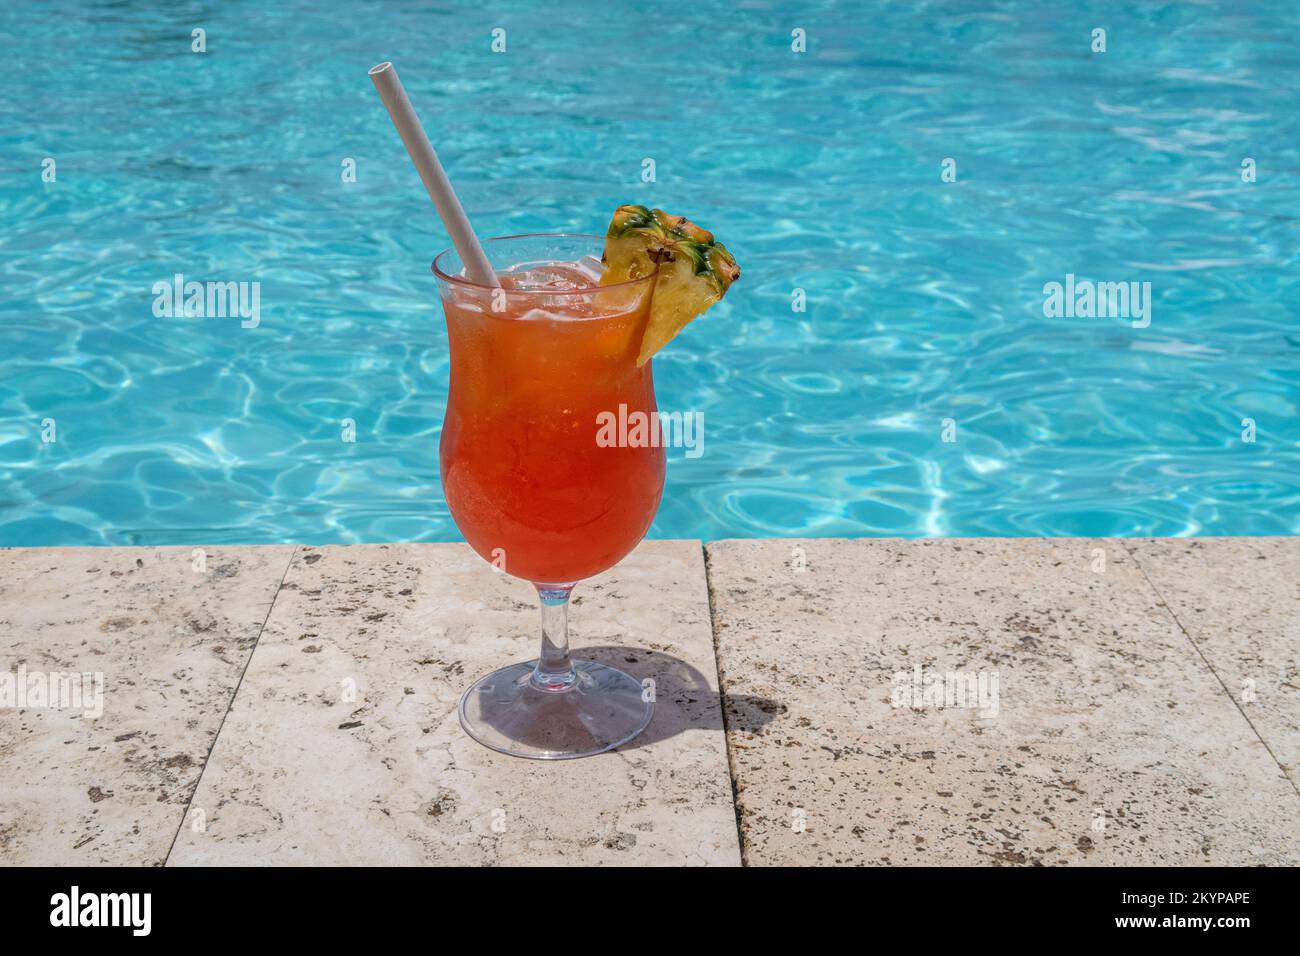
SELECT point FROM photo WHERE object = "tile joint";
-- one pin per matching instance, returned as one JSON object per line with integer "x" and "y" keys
{"x": 1169, "y": 608}
{"x": 722, "y": 704}
{"x": 231, "y": 703}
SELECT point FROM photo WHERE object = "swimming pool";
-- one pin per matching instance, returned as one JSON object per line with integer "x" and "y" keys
{"x": 824, "y": 171}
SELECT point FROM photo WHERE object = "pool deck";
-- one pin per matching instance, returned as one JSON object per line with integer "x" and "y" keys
{"x": 296, "y": 705}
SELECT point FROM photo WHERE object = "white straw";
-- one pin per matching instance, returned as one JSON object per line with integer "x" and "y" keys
{"x": 477, "y": 266}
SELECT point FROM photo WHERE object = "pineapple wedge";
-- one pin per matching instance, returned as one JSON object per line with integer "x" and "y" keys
{"x": 694, "y": 271}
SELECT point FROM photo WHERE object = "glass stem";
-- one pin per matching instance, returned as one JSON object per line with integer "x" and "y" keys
{"x": 554, "y": 671}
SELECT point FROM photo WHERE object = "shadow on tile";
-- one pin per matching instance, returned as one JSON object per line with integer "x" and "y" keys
{"x": 684, "y": 697}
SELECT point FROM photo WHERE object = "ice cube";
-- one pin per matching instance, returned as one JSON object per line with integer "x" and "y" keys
{"x": 552, "y": 277}
{"x": 591, "y": 267}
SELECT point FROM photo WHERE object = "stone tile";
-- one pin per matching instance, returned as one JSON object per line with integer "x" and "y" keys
{"x": 170, "y": 643}
{"x": 893, "y": 801}
{"x": 303, "y": 773}
{"x": 1238, "y": 599}
{"x": 1111, "y": 740}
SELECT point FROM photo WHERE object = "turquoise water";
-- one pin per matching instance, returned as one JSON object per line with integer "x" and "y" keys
{"x": 821, "y": 170}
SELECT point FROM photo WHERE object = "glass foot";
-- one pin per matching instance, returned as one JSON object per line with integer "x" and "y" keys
{"x": 600, "y": 709}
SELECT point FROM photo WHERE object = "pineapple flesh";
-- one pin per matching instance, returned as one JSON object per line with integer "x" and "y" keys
{"x": 693, "y": 271}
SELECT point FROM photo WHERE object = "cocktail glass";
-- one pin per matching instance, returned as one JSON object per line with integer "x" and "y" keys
{"x": 536, "y": 368}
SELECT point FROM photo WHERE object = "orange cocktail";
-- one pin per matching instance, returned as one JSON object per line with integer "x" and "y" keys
{"x": 532, "y": 484}
{"x": 551, "y": 339}
{"x": 526, "y": 480}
